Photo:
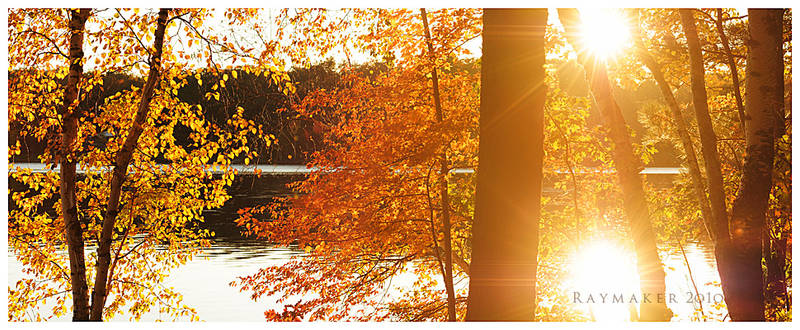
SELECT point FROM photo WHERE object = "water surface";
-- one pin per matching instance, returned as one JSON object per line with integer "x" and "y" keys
{"x": 601, "y": 267}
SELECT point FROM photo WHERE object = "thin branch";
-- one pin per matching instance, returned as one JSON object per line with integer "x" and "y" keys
{"x": 55, "y": 45}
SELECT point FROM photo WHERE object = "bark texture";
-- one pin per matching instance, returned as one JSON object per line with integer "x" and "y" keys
{"x": 69, "y": 133}
{"x": 628, "y": 165}
{"x": 763, "y": 100}
{"x": 443, "y": 170}
{"x": 123, "y": 159}
{"x": 509, "y": 181}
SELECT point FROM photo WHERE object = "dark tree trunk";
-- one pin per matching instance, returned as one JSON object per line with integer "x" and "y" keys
{"x": 505, "y": 235}
{"x": 763, "y": 100}
{"x": 708, "y": 139}
{"x": 628, "y": 165}
{"x": 123, "y": 159}
{"x": 69, "y": 208}
{"x": 443, "y": 170}
{"x": 777, "y": 232}
{"x": 698, "y": 183}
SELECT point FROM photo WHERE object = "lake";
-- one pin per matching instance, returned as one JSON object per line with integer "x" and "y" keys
{"x": 601, "y": 268}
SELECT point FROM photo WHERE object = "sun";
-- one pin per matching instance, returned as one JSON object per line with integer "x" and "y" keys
{"x": 605, "y": 31}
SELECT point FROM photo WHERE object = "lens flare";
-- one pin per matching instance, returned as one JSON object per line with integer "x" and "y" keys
{"x": 604, "y": 269}
{"x": 605, "y": 32}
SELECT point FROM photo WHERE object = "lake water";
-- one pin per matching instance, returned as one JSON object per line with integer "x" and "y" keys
{"x": 600, "y": 268}
{"x": 204, "y": 280}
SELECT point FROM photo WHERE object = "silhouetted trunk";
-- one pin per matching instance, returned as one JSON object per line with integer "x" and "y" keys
{"x": 505, "y": 234}
{"x": 708, "y": 139}
{"x": 763, "y": 100}
{"x": 443, "y": 170}
{"x": 776, "y": 231}
{"x": 731, "y": 66}
{"x": 628, "y": 165}
{"x": 69, "y": 132}
{"x": 121, "y": 163}
{"x": 698, "y": 183}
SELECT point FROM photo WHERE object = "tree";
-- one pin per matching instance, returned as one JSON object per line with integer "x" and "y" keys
{"x": 712, "y": 68}
{"x": 444, "y": 169}
{"x": 680, "y": 126}
{"x": 121, "y": 163}
{"x": 508, "y": 195}
{"x": 718, "y": 23}
{"x": 708, "y": 139}
{"x": 763, "y": 101}
{"x": 392, "y": 145}
{"x": 157, "y": 203}
{"x": 131, "y": 110}
{"x": 651, "y": 271}
{"x": 69, "y": 208}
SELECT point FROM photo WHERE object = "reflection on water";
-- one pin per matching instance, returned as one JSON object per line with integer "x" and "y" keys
{"x": 600, "y": 267}
{"x": 604, "y": 270}
{"x": 203, "y": 281}
{"x": 708, "y": 294}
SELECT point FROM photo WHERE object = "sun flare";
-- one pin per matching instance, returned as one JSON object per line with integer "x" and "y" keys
{"x": 605, "y": 32}
{"x": 602, "y": 268}
{"x": 604, "y": 264}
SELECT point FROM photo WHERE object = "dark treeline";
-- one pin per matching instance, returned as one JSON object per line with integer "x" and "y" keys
{"x": 263, "y": 102}
{"x": 296, "y": 136}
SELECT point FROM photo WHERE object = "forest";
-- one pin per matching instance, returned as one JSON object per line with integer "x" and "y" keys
{"x": 369, "y": 164}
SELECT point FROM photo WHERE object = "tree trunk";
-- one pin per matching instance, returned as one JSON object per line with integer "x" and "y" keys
{"x": 443, "y": 170}
{"x": 722, "y": 241}
{"x": 764, "y": 98}
{"x": 698, "y": 182}
{"x": 509, "y": 181}
{"x": 69, "y": 207}
{"x": 708, "y": 139}
{"x": 123, "y": 159}
{"x": 776, "y": 233}
{"x": 651, "y": 271}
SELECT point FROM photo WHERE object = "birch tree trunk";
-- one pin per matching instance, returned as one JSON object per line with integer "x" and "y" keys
{"x": 69, "y": 207}
{"x": 509, "y": 181}
{"x": 123, "y": 159}
{"x": 628, "y": 165}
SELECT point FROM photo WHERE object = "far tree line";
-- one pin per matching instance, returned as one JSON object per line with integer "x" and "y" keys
{"x": 392, "y": 129}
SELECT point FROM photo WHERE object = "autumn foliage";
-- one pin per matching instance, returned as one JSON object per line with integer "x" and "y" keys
{"x": 389, "y": 124}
